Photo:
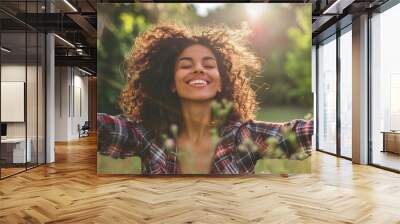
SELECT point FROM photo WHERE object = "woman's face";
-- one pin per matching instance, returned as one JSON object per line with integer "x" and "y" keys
{"x": 197, "y": 76}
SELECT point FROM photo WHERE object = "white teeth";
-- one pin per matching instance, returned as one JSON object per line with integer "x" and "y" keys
{"x": 197, "y": 81}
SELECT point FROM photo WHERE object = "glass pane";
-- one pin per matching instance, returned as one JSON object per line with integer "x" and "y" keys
{"x": 13, "y": 85}
{"x": 386, "y": 89}
{"x": 41, "y": 99}
{"x": 327, "y": 96}
{"x": 31, "y": 98}
{"x": 346, "y": 94}
{"x": 31, "y": 86}
{"x": 22, "y": 64}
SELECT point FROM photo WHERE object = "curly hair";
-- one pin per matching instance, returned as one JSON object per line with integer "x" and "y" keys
{"x": 150, "y": 73}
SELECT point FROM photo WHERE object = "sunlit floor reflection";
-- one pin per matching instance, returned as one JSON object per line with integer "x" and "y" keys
{"x": 386, "y": 159}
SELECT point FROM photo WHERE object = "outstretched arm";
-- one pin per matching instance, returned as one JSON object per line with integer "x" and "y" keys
{"x": 289, "y": 139}
{"x": 117, "y": 136}
{"x": 302, "y": 130}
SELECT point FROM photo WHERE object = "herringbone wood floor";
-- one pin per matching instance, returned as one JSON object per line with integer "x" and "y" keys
{"x": 69, "y": 191}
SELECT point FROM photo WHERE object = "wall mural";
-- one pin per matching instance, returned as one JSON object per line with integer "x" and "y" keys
{"x": 210, "y": 89}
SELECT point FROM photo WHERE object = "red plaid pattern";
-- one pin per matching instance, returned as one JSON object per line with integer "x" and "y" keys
{"x": 120, "y": 137}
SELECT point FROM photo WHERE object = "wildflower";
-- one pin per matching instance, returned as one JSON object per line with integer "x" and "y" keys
{"x": 174, "y": 130}
{"x": 164, "y": 137}
{"x": 291, "y": 138}
{"x": 308, "y": 116}
{"x": 242, "y": 148}
{"x": 272, "y": 142}
{"x": 169, "y": 144}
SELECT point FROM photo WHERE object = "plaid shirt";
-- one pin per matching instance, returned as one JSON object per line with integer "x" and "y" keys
{"x": 120, "y": 137}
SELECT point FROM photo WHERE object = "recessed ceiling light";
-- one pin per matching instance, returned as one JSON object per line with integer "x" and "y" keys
{"x": 5, "y": 50}
{"x": 337, "y": 7}
{"x": 70, "y": 5}
{"x": 84, "y": 71}
{"x": 64, "y": 40}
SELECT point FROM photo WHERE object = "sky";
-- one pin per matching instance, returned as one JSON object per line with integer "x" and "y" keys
{"x": 203, "y": 8}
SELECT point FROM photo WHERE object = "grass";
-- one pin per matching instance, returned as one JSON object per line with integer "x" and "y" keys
{"x": 109, "y": 165}
{"x": 132, "y": 165}
{"x": 281, "y": 113}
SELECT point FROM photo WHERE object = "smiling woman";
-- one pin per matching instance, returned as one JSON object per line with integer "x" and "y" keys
{"x": 189, "y": 93}
{"x": 196, "y": 74}
{"x": 165, "y": 57}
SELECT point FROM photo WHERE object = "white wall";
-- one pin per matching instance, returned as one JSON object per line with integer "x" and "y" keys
{"x": 12, "y": 73}
{"x": 71, "y": 102}
{"x": 61, "y": 103}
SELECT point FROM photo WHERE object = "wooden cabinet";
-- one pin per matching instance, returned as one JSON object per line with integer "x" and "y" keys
{"x": 391, "y": 142}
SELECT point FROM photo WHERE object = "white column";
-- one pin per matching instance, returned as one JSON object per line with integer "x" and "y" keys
{"x": 360, "y": 90}
{"x": 50, "y": 93}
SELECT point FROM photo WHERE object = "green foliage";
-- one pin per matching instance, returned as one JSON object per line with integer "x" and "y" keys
{"x": 119, "y": 25}
{"x": 282, "y": 113}
{"x": 298, "y": 64}
{"x": 122, "y": 25}
{"x": 285, "y": 47}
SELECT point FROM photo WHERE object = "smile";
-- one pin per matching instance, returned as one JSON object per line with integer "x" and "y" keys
{"x": 198, "y": 83}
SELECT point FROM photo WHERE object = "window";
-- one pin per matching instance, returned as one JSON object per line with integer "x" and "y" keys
{"x": 327, "y": 95}
{"x": 385, "y": 88}
{"x": 346, "y": 93}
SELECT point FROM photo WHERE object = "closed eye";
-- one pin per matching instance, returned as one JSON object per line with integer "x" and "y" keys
{"x": 185, "y": 66}
{"x": 185, "y": 62}
{"x": 209, "y": 63}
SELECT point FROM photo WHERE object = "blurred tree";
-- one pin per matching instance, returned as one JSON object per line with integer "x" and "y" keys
{"x": 121, "y": 24}
{"x": 298, "y": 59}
